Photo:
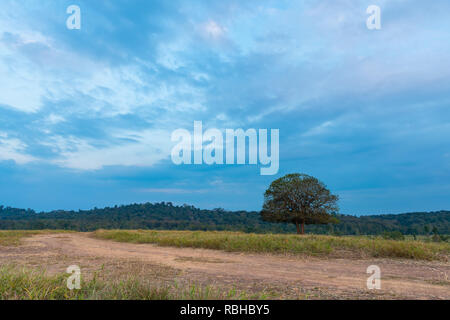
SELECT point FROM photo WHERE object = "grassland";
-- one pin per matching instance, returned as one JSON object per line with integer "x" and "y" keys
{"x": 36, "y": 268}
{"x": 23, "y": 284}
{"x": 14, "y": 237}
{"x": 315, "y": 245}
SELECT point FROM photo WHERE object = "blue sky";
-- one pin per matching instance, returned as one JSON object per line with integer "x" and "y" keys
{"x": 86, "y": 115}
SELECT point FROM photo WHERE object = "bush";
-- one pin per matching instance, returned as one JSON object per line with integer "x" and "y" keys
{"x": 393, "y": 235}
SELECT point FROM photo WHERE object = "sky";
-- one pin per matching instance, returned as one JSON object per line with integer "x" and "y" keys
{"x": 86, "y": 116}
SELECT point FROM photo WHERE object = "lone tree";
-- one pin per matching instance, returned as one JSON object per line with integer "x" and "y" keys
{"x": 299, "y": 199}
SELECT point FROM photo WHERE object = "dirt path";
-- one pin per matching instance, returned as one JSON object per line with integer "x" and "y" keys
{"x": 331, "y": 278}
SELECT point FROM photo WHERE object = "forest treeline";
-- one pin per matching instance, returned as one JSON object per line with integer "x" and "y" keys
{"x": 166, "y": 216}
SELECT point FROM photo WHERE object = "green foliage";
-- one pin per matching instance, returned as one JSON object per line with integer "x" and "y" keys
{"x": 298, "y": 199}
{"x": 166, "y": 216}
{"x": 439, "y": 237}
{"x": 394, "y": 235}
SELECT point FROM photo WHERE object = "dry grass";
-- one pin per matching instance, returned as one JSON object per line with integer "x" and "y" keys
{"x": 316, "y": 245}
{"x": 16, "y": 284}
{"x": 13, "y": 237}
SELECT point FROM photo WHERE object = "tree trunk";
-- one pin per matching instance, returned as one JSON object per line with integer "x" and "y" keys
{"x": 298, "y": 227}
{"x": 302, "y": 231}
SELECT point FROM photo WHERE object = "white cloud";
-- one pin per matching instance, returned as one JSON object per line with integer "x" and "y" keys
{"x": 213, "y": 29}
{"x": 144, "y": 148}
{"x": 34, "y": 71}
{"x": 13, "y": 149}
{"x": 318, "y": 130}
{"x": 54, "y": 119}
{"x": 20, "y": 87}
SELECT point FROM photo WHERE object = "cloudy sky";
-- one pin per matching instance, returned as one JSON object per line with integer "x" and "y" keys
{"x": 86, "y": 115}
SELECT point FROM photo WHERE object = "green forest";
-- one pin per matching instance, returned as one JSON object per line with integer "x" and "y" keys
{"x": 166, "y": 216}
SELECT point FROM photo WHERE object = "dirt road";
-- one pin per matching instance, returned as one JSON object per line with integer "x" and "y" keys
{"x": 292, "y": 276}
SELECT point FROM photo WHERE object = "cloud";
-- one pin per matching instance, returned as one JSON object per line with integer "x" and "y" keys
{"x": 320, "y": 129}
{"x": 14, "y": 149}
{"x": 54, "y": 119}
{"x": 129, "y": 148}
{"x": 213, "y": 29}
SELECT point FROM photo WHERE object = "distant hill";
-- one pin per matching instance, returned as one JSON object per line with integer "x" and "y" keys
{"x": 166, "y": 216}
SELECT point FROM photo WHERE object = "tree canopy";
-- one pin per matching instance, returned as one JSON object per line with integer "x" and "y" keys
{"x": 166, "y": 216}
{"x": 300, "y": 199}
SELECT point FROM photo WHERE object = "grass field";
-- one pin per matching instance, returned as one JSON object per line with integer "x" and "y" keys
{"x": 23, "y": 284}
{"x": 316, "y": 245}
{"x": 13, "y": 237}
{"x": 35, "y": 268}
